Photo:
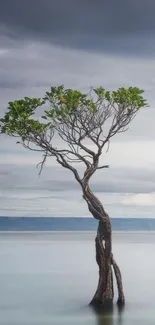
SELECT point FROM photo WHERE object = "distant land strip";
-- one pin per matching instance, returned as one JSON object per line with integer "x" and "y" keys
{"x": 72, "y": 224}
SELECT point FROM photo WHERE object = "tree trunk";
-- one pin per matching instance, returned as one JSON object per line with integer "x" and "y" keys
{"x": 121, "y": 298}
{"x": 104, "y": 294}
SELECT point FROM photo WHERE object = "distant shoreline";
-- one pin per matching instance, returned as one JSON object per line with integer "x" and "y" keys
{"x": 73, "y": 231}
{"x": 73, "y": 224}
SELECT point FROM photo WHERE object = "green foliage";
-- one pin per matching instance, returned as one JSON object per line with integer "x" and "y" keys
{"x": 63, "y": 104}
{"x": 17, "y": 120}
{"x": 131, "y": 96}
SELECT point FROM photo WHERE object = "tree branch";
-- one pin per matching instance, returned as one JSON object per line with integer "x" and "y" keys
{"x": 42, "y": 163}
{"x": 104, "y": 166}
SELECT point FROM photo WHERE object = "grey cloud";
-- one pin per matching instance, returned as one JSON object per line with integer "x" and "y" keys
{"x": 30, "y": 69}
{"x": 120, "y": 26}
{"x": 56, "y": 16}
{"x": 56, "y": 179}
{"x": 6, "y": 83}
{"x": 125, "y": 180}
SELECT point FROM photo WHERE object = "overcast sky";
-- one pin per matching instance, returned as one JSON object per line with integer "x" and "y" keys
{"x": 80, "y": 43}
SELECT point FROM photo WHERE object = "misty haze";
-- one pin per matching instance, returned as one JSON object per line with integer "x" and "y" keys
{"x": 103, "y": 52}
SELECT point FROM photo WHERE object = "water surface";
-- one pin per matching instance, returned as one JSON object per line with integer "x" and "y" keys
{"x": 48, "y": 278}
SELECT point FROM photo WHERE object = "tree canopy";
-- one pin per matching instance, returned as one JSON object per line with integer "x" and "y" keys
{"x": 72, "y": 118}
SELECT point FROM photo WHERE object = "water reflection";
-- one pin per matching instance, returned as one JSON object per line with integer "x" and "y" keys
{"x": 120, "y": 312}
{"x": 112, "y": 317}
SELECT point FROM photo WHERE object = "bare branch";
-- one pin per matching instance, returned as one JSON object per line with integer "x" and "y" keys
{"x": 42, "y": 163}
{"x": 104, "y": 166}
{"x": 62, "y": 161}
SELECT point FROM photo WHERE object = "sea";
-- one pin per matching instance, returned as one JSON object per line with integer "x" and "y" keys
{"x": 48, "y": 272}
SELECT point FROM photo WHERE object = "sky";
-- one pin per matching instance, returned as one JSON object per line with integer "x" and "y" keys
{"x": 79, "y": 43}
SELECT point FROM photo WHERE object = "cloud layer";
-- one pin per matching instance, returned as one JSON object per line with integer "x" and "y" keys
{"x": 147, "y": 199}
{"x": 80, "y": 43}
{"x": 92, "y": 25}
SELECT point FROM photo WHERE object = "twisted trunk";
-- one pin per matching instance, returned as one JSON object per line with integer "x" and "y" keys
{"x": 104, "y": 294}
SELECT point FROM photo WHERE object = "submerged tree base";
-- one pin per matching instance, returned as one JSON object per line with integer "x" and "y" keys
{"x": 100, "y": 306}
{"x": 120, "y": 302}
{"x": 106, "y": 305}
{"x": 105, "y": 315}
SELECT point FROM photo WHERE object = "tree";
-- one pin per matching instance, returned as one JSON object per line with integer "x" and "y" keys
{"x": 84, "y": 124}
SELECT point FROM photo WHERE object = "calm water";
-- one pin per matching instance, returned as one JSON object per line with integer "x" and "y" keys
{"x": 48, "y": 278}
